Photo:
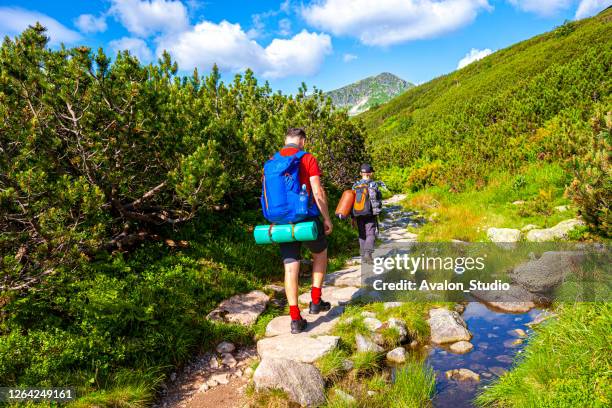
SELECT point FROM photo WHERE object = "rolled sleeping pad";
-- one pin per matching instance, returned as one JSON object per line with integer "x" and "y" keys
{"x": 270, "y": 234}
{"x": 345, "y": 205}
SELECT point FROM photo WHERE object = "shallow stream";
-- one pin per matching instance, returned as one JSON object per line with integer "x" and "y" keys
{"x": 495, "y": 347}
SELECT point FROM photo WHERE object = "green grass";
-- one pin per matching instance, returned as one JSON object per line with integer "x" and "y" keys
{"x": 413, "y": 387}
{"x": 331, "y": 365}
{"x": 468, "y": 214}
{"x": 366, "y": 362}
{"x": 566, "y": 364}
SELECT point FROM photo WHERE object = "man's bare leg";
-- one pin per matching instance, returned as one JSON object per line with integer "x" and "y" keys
{"x": 319, "y": 267}
{"x": 292, "y": 272}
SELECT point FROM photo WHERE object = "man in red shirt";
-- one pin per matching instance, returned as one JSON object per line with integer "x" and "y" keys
{"x": 310, "y": 175}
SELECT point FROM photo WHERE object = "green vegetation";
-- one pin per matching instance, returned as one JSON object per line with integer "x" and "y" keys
{"x": 127, "y": 196}
{"x": 567, "y": 363}
{"x": 466, "y": 215}
{"x": 532, "y": 104}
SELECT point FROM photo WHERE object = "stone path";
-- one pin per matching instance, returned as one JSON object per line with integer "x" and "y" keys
{"x": 279, "y": 350}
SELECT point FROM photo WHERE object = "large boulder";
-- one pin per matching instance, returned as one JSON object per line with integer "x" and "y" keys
{"x": 447, "y": 326}
{"x": 303, "y": 383}
{"x": 243, "y": 309}
{"x": 548, "y": 272}
{"x": 559, "y": 231}
{"x": 503, "y": 235}
{"x": 298, "y": 348}
{"x": 515, "y": 300}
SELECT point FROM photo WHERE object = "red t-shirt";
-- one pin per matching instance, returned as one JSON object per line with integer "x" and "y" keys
{"x": 308, "y": 165}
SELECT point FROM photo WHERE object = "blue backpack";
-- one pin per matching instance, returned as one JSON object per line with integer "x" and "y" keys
{"x": 280, "y": 191}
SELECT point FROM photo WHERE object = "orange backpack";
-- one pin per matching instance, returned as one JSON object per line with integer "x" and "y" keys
{"x": 362, "y": 205}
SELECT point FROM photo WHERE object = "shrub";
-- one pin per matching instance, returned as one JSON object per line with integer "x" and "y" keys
{"x": 427, "y": 175}
{"x": 591, "y": 188}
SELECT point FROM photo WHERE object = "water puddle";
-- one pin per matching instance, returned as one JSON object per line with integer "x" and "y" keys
{"x": 495, "y": 346}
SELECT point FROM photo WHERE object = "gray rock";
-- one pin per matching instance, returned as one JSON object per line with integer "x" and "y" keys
{"x": 219, "y": 378}
{"x": 562, "y": 208}
{"x": 390, "y": 305}
{"x": 319, "y": 324}
{"x": 529, "y": 227}
{"x": 368, "y": 314}
{"x": 303, "y": 349}
{"x": 518, "y": 202}
{"x": 213, "y": 364}
{"x": 364, "y": 344}
{"x": 347, "y": 364}
{"x": 335, "y": 295}
{"x": 540, "y": 318}
{"x": 303, "y": 383}
{"x": 372, "y": 323}
{"x": 225, "y": 347}
{"x": 345, "y": 277}
{"x": 503, "y": 235}
{"x": 228, "y": 360}
{"x": 559, "y": 231}
{"x": 461, "y": 347}
{"x": 548, "y": 272}
{"x": 462, "y": 374}
{"x": 400, "y": 326}
{"x": 515, "y": 300}
{"x": 397, "y": 355}
{"x": 242, "y": 309}
{"x": 498, "y": 371}
{"x": 345, "y": 397}
{"x": 447, "y": 326}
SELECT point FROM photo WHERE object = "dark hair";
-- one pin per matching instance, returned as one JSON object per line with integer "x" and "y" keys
{"x": 296, "y": 132}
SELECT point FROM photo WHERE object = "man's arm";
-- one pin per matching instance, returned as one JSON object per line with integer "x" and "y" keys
{"x": 321, "y": 199}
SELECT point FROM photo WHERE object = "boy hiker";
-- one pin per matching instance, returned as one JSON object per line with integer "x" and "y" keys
{"x": 309, "y": 175}
{"x": 366, "y": 208}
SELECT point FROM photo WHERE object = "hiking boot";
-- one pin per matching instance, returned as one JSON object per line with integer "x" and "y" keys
{"x": 322, "y": 306}
{"x": 298, "y": 326}
{"x": 367, "y": 259}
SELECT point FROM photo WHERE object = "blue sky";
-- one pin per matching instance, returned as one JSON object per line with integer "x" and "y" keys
{"x": 327, "y": 43}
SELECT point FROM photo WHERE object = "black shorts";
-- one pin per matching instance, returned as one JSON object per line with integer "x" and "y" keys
{"x": 292, "y": 251}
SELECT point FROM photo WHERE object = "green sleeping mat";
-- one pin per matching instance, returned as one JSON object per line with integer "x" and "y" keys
{"x": 271, "y": 234}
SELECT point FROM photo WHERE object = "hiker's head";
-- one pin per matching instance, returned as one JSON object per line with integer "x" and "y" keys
{"x": 366, "y": 171}
{"x": 295, "y": 136}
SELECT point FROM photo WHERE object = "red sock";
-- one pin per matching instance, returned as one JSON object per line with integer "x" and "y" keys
{"x": 294, "y": 312}
{"x": 315, "y": 294}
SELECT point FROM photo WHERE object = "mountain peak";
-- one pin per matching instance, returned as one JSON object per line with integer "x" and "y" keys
{"x": 368, "y": 92}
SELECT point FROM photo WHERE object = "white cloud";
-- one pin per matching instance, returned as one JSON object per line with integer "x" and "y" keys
{"x": 136, "y": 46}
{"x": 349, "y": 57}
{"x": 386, "y": 22}
{"x": 284, "y": 27}
{"x": 544, "y": 8}
{"x": 144, "y": 18}
{"x": 473, "y": 55}
{"x": 232, "y": 49}
{"x": 588, "y": 8}
{"x": 302, "y": 54}
{"x": 88, "y": 23}
{"x": 13, "y": 20}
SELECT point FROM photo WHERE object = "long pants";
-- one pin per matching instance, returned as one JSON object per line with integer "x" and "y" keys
{"x": 367, "y": 227}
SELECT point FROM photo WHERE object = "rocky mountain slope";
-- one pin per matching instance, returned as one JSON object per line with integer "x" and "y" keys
{"x": 372, "y": 91}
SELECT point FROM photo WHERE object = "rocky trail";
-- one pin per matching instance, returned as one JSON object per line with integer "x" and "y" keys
{"x": 220, "y": 379}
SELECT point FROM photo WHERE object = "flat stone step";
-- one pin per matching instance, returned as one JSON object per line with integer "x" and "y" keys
{"x": 318, "y": 324}
{"x": 345, "y": 277}
{"x": 304, "y": 349}
{"x": 334, "y": 294}
{"x": 242, "y": 309}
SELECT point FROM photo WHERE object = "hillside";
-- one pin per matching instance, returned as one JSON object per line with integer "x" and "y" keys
{"x": 369, "y": 92}
{"x": 528, "y": 103}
